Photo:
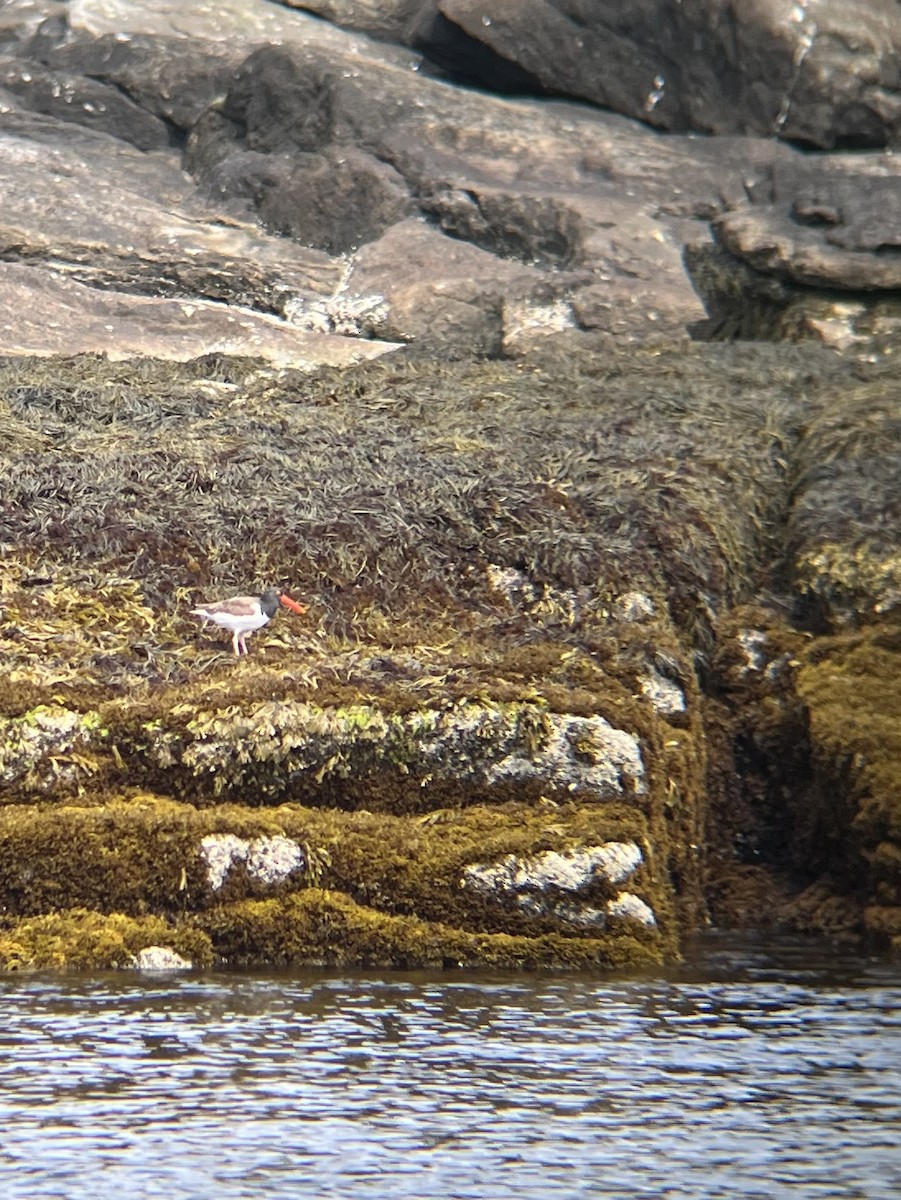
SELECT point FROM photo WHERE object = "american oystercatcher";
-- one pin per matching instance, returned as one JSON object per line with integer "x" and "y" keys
{"x": 243, "y": 614}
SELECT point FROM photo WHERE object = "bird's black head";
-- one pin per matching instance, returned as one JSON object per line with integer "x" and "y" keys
{"x": 269, "y": 601}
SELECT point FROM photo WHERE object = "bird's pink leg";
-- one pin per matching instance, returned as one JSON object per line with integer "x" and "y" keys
{"x": 236, "y": 643}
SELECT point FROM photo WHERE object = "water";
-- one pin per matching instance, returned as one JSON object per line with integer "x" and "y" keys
{"x": 751, "y": 1072}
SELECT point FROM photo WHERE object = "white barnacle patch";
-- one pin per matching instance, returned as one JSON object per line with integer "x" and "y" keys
{"x": 159, "y": 958}
{"x": 524, "y": 319}
{"x": 665, "y": 695}
{"x": 580, "y": 754}
{"x": 549, "y": 884}
{"x": 628, "y": 906}
{"x": 46, "y": 747}
{"x": 511, "y": 585}
{"x": 268, "y": 860}
{"x": 754, "y": 644}
{"x": 569, "y": 871}
{"x": 272, "y": 859}
{"x": 221, "y": 850}
{"x": 633, "y": 607}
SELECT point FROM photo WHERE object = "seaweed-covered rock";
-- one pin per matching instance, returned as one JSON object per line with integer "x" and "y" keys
{"x": 146, "y": 854}
{"x": 846, "y": 514}
{"x": 852, "y": 688}
{"x": 488, "y": 739}
{"x": 288, "y": 750}
{"x": 571, "y": 578}
{"x": 81, "y": 939}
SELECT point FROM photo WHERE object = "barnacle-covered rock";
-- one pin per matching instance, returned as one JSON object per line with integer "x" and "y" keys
{"x": 266, "y": 859}
{"x": 160, "y": 958}
{"x": 568, "y": 886}
{"x": 287, "y": 750}
{"x": 46, "y": 749}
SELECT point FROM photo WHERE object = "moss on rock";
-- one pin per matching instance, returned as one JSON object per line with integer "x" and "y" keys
{"x": 151, "y": 854}
{"x": 852, "y": 687}
{"x": 80, "y": 939}
{"x": 327, "y": 929}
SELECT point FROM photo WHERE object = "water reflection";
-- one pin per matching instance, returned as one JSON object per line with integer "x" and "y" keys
{"x": 751, "y": 1072}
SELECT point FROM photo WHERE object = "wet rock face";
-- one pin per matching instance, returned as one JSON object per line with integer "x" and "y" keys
{"x": 820, "y": 73}
{"x": 340, "y": 201}
{"x": 818, "y": 258}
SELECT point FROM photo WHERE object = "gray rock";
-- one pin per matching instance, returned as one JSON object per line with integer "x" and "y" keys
{"x": 667, "y": 697}
{"x": 629, "y": 907}
{"x": 843, "y": 231}
{"x": 512, "y": 219}
{"x": 171, "y": 78}
{"x": 78, "y": 100}
{"x": 823, "y": 74}
{"x": 813, "y": 256}
{"x": 383, "y": 18}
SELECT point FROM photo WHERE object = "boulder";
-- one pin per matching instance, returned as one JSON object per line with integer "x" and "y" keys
{"x": 815, "y": 256}
{"x": 823, "y": 75}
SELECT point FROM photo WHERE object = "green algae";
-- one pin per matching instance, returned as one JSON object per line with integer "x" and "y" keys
{"x": 83, "y": 940}
{"x": 145, "y": 854}
{"x": 852, "y": 687}
{"x": 325, "y": 929}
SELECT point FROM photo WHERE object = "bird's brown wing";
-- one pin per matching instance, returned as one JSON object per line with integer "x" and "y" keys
{"x": 237, "y": 606}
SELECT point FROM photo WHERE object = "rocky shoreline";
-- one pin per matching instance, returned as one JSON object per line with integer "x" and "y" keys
{"x": 603, "y": 637}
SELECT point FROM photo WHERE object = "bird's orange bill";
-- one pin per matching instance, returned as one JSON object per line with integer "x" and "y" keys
{"x": 293, "y": 605}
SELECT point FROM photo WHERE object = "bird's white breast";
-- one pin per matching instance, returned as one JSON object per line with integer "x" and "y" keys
{"x": 244, "y": 623}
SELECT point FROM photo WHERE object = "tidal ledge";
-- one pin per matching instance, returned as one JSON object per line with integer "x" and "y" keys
{"x": 602, "y": 644}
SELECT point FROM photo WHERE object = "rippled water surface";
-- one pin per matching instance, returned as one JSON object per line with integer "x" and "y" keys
{"x": 749, "y": 1072}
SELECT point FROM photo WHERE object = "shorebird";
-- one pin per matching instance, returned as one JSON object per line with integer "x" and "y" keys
{"x": 243, "y": 614}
